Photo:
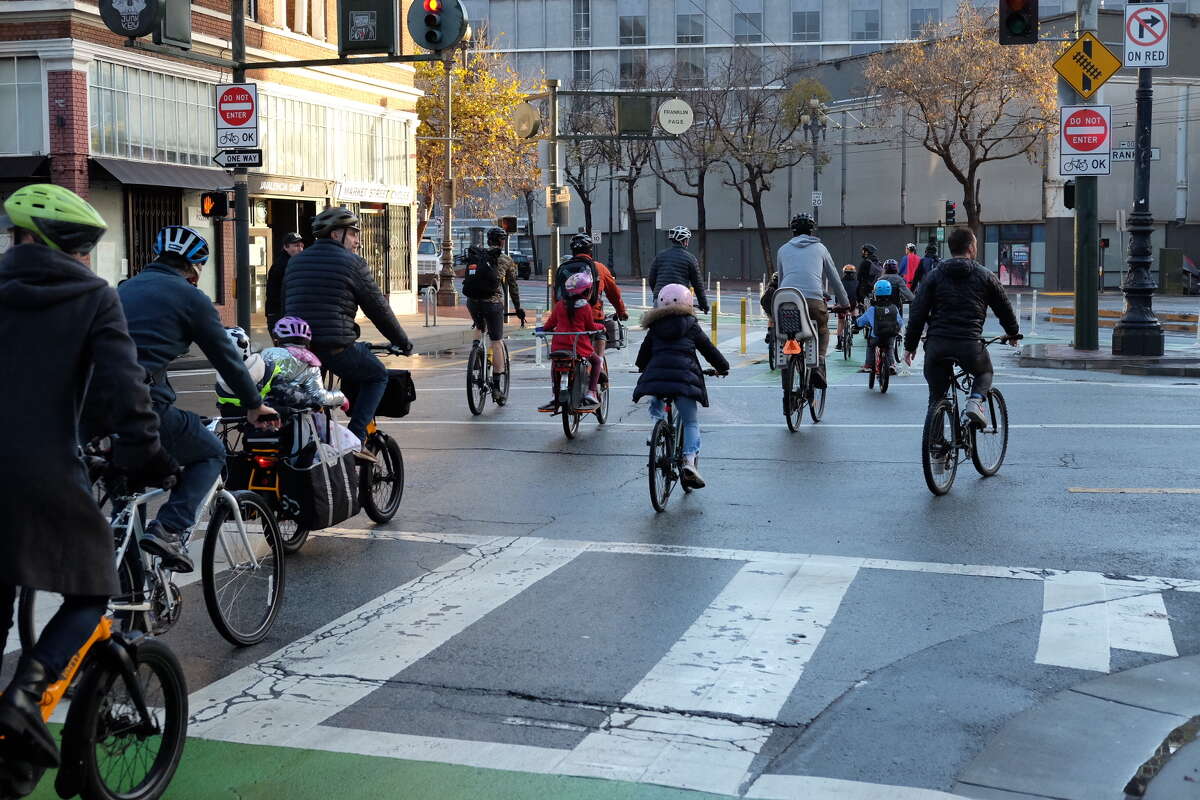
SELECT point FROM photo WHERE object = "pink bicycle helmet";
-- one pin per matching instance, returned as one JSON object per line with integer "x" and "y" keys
{"x": 579, "y": 284}
{"x": 675, "y": 294}
{"x": 292, "y": 328}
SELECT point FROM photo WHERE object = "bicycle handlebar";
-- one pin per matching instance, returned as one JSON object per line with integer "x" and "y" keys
{"x": 712, "y": 373}
{"x": 389, "y": 348}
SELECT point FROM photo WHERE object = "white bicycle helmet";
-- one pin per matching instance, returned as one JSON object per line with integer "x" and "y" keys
{"x": 679, "y": 234}
{"x": 241, "y": 341}
{"x": 182, "y": 241}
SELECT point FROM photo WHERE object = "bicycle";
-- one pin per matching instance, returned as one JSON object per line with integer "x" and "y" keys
{"x": 380, "y": 483}
{"x": 772, "y": 350}
{"x": 241, "y": 567}
{"x": 666, "y": 453}
{"x": 880, "y": 361}
{"x": 949, "y": 436}
{"x": 577, "y": 371}
{"x": 479, "y": 374}
{"x": 792, "y": 321}
{"x": 846, "y": 338}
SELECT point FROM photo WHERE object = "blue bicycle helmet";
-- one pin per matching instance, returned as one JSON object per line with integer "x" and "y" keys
{"x": 883, "y": 288}
{"x": 182, "y": 241}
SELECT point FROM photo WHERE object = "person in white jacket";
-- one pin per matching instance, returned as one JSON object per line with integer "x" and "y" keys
{"x": 805, "y": 264}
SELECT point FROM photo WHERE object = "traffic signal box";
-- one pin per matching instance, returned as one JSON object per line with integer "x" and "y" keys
{"x": 1018, "y": 20}
{"x": 437, "y": 24}
{"x": 507, "y": 224}
{"x": 214, "y": 204}
{"x": 951, "y": 210}
{"x": 367, "y": 26}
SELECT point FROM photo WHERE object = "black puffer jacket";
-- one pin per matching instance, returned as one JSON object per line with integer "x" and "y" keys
{"x": 869, "y": 271}
{"x": 325, "y": 285}
{"x": 953, "y": 300}
{"x": 677, "y": 265}
{"x": 667, "y": 358}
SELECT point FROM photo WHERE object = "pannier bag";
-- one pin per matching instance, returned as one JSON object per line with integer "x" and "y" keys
{"x": 397, "y": 399}
{"x": 615, "y": 333}
{"x": 318, "y": 483}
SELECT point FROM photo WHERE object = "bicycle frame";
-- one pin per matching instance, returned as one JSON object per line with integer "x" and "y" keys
{"x": 565, "y": 366}
{"x": 128, "y": 521}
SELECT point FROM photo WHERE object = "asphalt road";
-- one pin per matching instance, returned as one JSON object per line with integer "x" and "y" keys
{"x": 813, "y": 616}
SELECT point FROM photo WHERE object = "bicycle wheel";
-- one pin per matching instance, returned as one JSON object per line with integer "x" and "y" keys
{"x": 873, "y": 362}
{"x": 793, "y": 393}
{"x": 292, "y": 535}
{"x": 885, "y": 369}
{"x": 381, "y": 485}
{"x": 847, "y": 344}
{"x": 773, "y": 354}
{"x": 816, "y": 404}
{"x": 988, "y": 445}
{"x": 661, "y": 468}
{"x": 570, "y": 417}
{"x": 506, "y": 379}
{"x": 242, "y": 569}
{"x": 476, "y": 387}
{"x": 897, "y": 355}
{"x": 602, "y": 411}
{"x": 119, "y": 758}
{"x": 939, "y": 455}
{"x": 35, "y": 608}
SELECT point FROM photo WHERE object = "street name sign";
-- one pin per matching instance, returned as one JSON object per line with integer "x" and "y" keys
{"x": 237, "y": 115}
{"x": 1086, "y": 65}
{"x": 1084, "y": 141}
{"x": 1147, "y": 34}
{"x": 228, "y": 159}
{"x": 1130, "y": 154}
{"x": 675, "y": 116}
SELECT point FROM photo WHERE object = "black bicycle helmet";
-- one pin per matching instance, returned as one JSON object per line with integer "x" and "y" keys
{"x": 803, "y": 223}
{"x": 496, "y": 236}
{"x": 331, "y": 219}
{"x": 581, "y": 243}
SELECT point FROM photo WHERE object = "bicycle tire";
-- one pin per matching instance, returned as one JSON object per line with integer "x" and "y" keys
{"x": 847, "y": 345}
{"x": 773, "y": 354}
{"x": 874, "y": 367}
{"x": 659, "y": 467}
{"x": 793, "y": 393}
{"x": 571, "y": 417}
{"x": 816, "y": 404}
{"x": 570, "y": 422}
{"x": 602, "y": 410}
{"x": 476, "y": 375}
{"x": 885, "y": 369}
{"x": 98, "y": 721}
{"x": 501, "y": 396}
{"x": 998, "y": 411}
{"x": 382, "y": 507}
{"x": 292, "y": 535}
{"x": 267, "y": 553}
{"x": 897, "y": 354}
{"x": 939, "y": 457}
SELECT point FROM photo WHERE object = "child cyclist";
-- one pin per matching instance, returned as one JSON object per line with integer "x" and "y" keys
{"x": 884, "y": 318}
{"x": 574, "y": 314}
{"x": 669, "y": 366}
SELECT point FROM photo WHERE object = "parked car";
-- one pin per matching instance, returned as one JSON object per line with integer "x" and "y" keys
{"x": 428, "y": 264}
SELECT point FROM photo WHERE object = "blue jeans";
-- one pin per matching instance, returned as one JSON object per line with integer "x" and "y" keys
{"x": 358, "y": 365}
{"x": 64, "y": 634}
{"x": 201, "y": 455}
{"x": 688, "y": 412}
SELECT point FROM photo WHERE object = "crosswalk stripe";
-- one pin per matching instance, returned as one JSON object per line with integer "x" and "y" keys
{"x": 789, "y": 787}
{"x": 739, "y": 662}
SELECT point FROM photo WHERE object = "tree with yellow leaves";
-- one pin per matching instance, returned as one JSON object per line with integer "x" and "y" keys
{"x": 969, "y": 100}
{"x": 489, "y": 160}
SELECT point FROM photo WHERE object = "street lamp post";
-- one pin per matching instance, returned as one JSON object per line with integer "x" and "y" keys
{"x": 814, "y": 123}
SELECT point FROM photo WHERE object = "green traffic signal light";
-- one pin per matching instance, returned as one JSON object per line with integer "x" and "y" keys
{"x": 1018, "y": 21}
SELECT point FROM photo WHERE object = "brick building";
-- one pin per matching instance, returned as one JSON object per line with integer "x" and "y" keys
{"x": 134, "y": 132}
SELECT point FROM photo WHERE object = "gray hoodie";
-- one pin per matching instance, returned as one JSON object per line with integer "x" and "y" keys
{"x": 805, "y": 264}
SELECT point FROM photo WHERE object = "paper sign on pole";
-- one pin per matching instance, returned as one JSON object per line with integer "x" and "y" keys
{"x": 1084, "y": 141}
{"x": 1147, "y": 34}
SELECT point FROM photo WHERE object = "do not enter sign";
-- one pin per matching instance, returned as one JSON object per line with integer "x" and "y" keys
{"x": 1085, "y": 140}
{"x": 237, "y": 115}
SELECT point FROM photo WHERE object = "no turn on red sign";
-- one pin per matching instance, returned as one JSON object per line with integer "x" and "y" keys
{"x": 1147, "y": 34}
{"x": 1084, "y": 141}
{"x": 237, "y": 115}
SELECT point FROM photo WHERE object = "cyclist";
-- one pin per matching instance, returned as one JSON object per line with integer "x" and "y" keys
{"x": 806, "y": 265}
{"x": 869, "y": 270}
{"x": 166, "y": 314}
{"x": 677, "y": 265}
{"x": 64, "y": 338}
{"x": 487, "y": 314}
{"x": 581, "y": 248}
{"x": 574, "y": 314}
{"x": 900, "y": 290}
{"x": 326, "y": 285}
{"x": 885, "y": 319}
{"x": 953, "y": 301}
{"x": 669, "y": 366}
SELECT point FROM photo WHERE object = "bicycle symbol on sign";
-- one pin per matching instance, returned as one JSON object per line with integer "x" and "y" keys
{"x": 1074, "y": 165}
{"x": 228, "y": 139}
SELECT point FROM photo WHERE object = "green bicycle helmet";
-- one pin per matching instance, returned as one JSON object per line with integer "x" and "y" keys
{"x": 331, "y": 219}
{"x": 58, "y": 216}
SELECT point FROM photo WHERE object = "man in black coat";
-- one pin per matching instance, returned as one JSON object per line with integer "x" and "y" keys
{"x": 926, "y": 267}
{"x": 953, "y": 302}
{"x": 292, "y": 244}
{"x": 677, "y": 265}
{"x": 325, "y": 286}
{"x": 64, "y": 337}
{"x": 869, "y": 271}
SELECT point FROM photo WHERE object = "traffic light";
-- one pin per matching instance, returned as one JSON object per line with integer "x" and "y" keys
{"x": 214, "y": 205}
{"x": 437, "y": 24}
{"x": 951, "y": 208}
{"x": 1069, "y": 194}
{"x": 175, "y": 28}
{"x": 1104, "y": 243}
{"x": 507, "y": 224}
{"x": 1018, "y": 21}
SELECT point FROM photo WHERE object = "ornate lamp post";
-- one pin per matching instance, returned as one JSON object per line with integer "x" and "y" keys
{"x": 813, "y": 121}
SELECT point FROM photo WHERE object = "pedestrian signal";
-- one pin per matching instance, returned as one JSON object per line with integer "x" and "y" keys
{"x": 1018, "y": 21}
{"x": 214, "y": 204}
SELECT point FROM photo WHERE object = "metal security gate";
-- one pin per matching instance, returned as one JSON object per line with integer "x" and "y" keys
{"x": 146, "y": 212}
{"x": 399, "y": 264}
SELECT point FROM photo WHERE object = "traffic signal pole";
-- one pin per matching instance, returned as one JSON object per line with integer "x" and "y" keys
{"x": 243, "y": 286}
{"x": 1087, "y": 222}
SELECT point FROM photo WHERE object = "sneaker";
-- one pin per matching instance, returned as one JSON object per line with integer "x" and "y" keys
{"x": 26, "y": 737}
{"x": 691, "y": 477}
{"x": 590, "y": 400}
{"x": 892, "y": 368}
{"x": 865, "y": 368}
{"x": 549, "y": 408}
{"x": 167, "y": 545}
{"x": 365, "y": 456}
{"x": 818, "y": 377}
{"x": 976, "y": 412}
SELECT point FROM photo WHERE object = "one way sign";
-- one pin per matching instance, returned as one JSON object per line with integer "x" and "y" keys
{"x": 1147, "y": 34}
{"x": 228, "y": 159}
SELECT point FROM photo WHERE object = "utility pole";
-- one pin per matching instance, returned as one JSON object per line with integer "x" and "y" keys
{"x": 1087, "y": 223}
{"x": 555, "y": 181}
{"x": 1138, "y": 332}
{"x": 243, "y": 285}
{"x": 445, "y": 295}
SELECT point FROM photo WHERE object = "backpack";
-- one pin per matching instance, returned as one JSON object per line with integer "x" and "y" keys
{"x": 482, "y": 279}
{"x": 887, "y": 321}
{"x": 569, "y": 268}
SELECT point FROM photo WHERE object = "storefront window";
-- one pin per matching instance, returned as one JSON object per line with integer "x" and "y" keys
{"x": 295, "y": 137}
{"x": 146, "y": 115}
{"x": 21, "y": 99}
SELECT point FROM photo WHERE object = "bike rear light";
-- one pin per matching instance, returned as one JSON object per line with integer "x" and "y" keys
{"x": 792, "y": 347}
{"x": 266, "y": 462}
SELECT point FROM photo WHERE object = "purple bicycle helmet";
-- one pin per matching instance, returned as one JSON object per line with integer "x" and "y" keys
{"x": 292, "y": 328}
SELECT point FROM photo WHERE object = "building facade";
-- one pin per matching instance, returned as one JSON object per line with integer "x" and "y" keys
{"x": 135, "y": 133}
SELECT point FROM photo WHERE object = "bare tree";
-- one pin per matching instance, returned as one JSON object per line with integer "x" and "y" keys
{"x": 583, "y": 160}
{"x": 967, "y": 99}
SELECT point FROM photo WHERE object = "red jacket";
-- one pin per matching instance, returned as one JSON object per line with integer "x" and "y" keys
{"x": 609, "y": 288}
{"x": 908, "y": 268}
{"x": 564, "y": 318}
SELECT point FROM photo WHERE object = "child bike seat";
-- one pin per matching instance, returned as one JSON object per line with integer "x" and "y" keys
{"x": 790, "y": 312}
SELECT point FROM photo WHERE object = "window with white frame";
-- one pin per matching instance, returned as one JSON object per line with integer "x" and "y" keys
{"x": 747, "y": 21}
{"x": 806, "y": 20}
{"x": 689, "y": 21}
{"x": 581, "y": 73}
{"x": 582, "y": 20}
{"x": 632, "y": 68}
{"x": 21, "y": 98}
{"x": 295, "y": 136}
{"x": 922, "y": 16}
{"x": 631, "y": 22}
{"x": 865, "y": 21}
{"x": 689, "y": 67}
{"x": 136, "y": 113}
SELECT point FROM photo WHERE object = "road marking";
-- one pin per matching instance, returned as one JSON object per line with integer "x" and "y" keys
{"x": 1081, "y": 490}
{"x": 741, "y": 658}
{"x": 790, "y": 787}
{"x": 816, "y": 427}
{"x": 281, "y": 699}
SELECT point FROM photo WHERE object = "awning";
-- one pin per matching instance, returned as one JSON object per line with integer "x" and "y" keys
{"x": 145, "y": 173}
{"x": 24, "y": 167}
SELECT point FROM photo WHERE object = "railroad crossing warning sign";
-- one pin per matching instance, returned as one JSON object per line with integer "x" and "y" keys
{"x": 237, "y": 115}
{"x": 1087, "y": 64}
{"x": 1084, "y": 141}
{"x": 1147, "y": 34}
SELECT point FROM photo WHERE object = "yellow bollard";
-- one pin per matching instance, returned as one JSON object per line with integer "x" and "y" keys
{"x": 713, "y": 310}
{"x": 744, "y": 307}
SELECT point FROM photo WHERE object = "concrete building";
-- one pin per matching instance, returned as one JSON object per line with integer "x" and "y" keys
{"x": 135, "y": 133}
{"x": 877, "y": 186}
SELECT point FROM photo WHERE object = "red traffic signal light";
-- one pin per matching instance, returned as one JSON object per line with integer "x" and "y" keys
{"x": 437, "y": 24}
{"x": 214, "y": 204}
{"x": 1018, "y": 21}
{"x": 433, "y": 6}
